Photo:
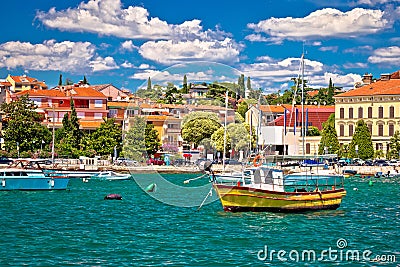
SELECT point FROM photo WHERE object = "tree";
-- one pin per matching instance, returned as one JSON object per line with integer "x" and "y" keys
{"x": 60, "y": 80}
{"x": 241, "y": 88}
{"x": 239, "y": 136}
{"x": 134, "y": 145}
{"x": 23, "y": 126}
{"x": 198, "y": 115}
{"x": 155, "y": 94}
{"x": 248, "y": 84}
{"x": 172, "y": 96}
{"x": 185, "y": 89}
{"x": 217, "y": 139}
{"x": 69, "y": 137}
{"x": 74, "y": 121}
{"x": 361, "y": 144}
{"x": 239, "y": 118}
{"x": 199, "y": 125}
{"x": 313, "y": 131}
{"x": 242, "y": 108}
{"x": 68, "y": 81}
{"x": 152, "y": 140}
{"x": 329, "y": 142}
{"x": 330, "y": 93}
{"x": 104, "y": 139}
{"x": 85, "y": 80}
{"x": 149, "y": 84}
{"x": 394, "y": 146}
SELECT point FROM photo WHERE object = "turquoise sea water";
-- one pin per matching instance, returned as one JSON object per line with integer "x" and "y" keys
{"x": 78, "y": 227}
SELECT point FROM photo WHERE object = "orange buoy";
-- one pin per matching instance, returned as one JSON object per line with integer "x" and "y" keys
{"x": 256, "y": 163}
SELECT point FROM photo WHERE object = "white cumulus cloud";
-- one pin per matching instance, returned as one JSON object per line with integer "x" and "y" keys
{"x": 325, "y": 23}
{"x": 271, "y": 72}
{"x": 388, "y": 55}
{"x": 108, "y": 17}
{"x": 74, "y": 57}
{"x": 170, "y": 52}
{"x": 128, "y": 46}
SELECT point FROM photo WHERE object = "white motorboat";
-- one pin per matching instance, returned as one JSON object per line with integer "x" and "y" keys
{"x": 111, "y": 175}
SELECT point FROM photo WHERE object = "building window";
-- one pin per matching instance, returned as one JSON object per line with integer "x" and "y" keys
{"x": 351, "y": 130}
{"x": 37, "y": 101}
{"x": 380, "y": 130}
{"x": 370, "y": 128}
{"x": 380, "y": 112}
{"x": 360, "y": 112}
{"x": 112, "y": 113}
{"x": 98, "y": 116}
{"x": 391, "y": 129}
{"x": 350, "y": 113}
{"x": 369, "y": 112}
{"x": 80, "y": 115}
{"x": 391, "y": 112}
{"x": 98, "y": 103}
{"x": 308, "y": 148}
{"x": 342, "y": 113}
{"x": 341, "y": 130}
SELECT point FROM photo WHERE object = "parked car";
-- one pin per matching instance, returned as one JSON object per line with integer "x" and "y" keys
{"x": 233, "y": 162}
{"x": 368, "y": 162}
{"x": 342, "y": 162}
{"x": 199, "y": 160}
{"x": 381, "y": 162}
{"x": 358, "y": 162}
{"x": 394, "y": 162}
{"x": 155, "y": 162}
{"x": 179, "y": 162}
{"x": 5, "y": 160}
{"x": 126, "y": 162}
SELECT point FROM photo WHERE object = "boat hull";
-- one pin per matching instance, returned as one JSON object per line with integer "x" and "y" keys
{"x": 242, "y": 198}
{"x": 33, "y": 184}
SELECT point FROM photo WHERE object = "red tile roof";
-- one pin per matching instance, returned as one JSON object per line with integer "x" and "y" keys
{"x": 56, "y": 92}
{"x": 272, "y": 108}
{"x": 87, "y": 92}
{"x": 316, "y": 116}
{"x": 42, "y": 93}
{"x": 380, "y": 87}
{"x": 313, "y": 93}
{"x": 26, "y": 79}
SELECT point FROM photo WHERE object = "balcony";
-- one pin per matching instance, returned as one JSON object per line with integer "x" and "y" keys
{"x": 82, "y": 106}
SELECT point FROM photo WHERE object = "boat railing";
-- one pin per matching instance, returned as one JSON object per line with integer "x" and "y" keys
{"x": 311, "y": 183}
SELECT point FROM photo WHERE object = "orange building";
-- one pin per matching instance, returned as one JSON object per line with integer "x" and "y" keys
{"x": 90, "y": 105}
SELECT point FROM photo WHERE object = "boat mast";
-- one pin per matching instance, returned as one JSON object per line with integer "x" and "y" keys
{"x": 303, "y": 130}
{"x": 52, "y": 143}
{"x": 226, "y": 115}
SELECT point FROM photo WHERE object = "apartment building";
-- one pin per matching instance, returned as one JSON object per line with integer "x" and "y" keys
{"x": 377, "y": 102}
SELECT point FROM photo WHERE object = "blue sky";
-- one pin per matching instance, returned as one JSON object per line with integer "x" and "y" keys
{"x": 124, "y": 42}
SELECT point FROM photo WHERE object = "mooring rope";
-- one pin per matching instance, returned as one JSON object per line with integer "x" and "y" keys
{"x": 192, "y": 179}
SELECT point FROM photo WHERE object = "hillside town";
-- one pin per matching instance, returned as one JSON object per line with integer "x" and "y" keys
{"x": 277, "y": 128}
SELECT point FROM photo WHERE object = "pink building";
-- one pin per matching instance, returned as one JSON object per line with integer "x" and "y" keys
{"x": 90, "y": 105}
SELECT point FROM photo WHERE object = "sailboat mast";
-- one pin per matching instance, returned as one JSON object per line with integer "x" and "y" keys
{"x": 303, "y": 132}
{"x": 226, "y": 115}
{"x": 53, "y": 140}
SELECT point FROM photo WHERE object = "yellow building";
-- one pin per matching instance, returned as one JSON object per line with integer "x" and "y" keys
{"x": 377, "y": 102}
{"x": 22, "y": 83}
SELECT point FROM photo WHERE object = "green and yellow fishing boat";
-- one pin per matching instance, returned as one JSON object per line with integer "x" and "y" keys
{"x": 269, "y": 189}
